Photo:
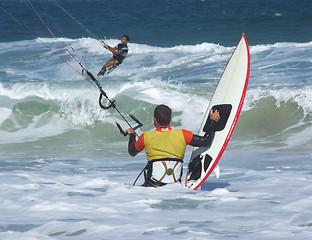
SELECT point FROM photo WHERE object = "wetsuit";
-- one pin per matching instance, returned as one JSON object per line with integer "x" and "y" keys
{"x": 123, "y": 48}
{"x": 165, "y": 147}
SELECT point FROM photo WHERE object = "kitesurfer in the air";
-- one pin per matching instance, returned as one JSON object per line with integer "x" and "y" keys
{"x": 165, "y": 147}
{"x": 119, "y": 53}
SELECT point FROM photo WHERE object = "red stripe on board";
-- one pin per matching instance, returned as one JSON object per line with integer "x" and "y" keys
{"x": 236, "y": 116}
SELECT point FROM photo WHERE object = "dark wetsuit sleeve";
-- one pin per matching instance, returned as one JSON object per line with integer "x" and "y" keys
{"x": 206, "y": 140}
{"x": 131, "y": 146}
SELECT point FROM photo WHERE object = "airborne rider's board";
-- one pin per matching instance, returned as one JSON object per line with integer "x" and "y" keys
{"x": 228, "y": 98}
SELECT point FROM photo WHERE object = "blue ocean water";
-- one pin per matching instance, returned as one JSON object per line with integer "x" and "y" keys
{"x": 168, "y": 23}
{"x": 64, "y": 168}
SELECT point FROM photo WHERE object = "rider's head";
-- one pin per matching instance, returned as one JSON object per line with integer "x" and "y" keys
{"x": 125, "y": 39}
{"x": 162, "y": 114}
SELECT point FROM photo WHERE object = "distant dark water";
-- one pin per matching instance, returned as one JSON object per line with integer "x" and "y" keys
{"x": 167, "y": 23}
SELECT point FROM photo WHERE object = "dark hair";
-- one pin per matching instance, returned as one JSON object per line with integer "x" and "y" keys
{"x": 162, "y": 113}
{"x": 127, "y": 37}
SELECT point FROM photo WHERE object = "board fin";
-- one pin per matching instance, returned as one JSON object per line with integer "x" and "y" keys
{"x": 217, "y": 171}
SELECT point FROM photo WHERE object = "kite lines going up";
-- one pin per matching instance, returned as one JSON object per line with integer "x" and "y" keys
{"x": 77, "y": 65}
{"x": 56, "y": 3}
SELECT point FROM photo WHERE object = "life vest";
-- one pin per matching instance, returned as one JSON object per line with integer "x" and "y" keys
{"x": 165, "y": 149}
{"x": 165, "y": 143}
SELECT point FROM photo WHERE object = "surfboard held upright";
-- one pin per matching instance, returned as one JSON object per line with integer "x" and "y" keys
{"x": 228, "y": 98}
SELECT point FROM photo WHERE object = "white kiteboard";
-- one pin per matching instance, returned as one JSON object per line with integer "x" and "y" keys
{"x": 228, "y": 98}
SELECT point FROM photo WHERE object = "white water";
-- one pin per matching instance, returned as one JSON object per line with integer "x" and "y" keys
{"x": 65, "y": 172}
{"x": 91, "y": 199}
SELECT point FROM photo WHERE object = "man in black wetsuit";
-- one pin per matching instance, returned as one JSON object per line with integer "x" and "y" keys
{"x": 165, "y": 147}
{"x": 119, "y": 53}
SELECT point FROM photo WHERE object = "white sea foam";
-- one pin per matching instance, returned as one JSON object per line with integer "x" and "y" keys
{"x": 93, "y": 204}
{"x": 74, "y": 107}
{"x": 302, "y": 97}
{"x": 65, "y": 171}
{"x": 4, "y": 113}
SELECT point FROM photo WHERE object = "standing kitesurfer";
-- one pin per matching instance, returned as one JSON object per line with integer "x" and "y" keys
{"x": 165, "y": 147}
{"x": 119, "y": 53}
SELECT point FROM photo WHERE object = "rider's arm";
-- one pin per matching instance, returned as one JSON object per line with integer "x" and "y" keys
{"x": 112, "y": 49}
{"x": 206, "y": 140}
{"x": 134, "y": 147}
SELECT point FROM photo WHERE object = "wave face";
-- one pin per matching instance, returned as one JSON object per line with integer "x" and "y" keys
{"x": 43, "y": 98}
{"x": 65, "y": 172}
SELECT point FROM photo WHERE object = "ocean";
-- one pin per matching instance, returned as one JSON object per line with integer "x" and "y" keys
{"x": 65, "y": 172}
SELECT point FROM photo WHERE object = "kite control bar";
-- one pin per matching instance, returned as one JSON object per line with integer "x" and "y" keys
{"x": 111, "y": 102}
{"x": 139, "y": 124}
{"x": 112, "y": 105}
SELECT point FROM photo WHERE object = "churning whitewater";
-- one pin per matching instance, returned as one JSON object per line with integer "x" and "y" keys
{"x": 65, "y": 172}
